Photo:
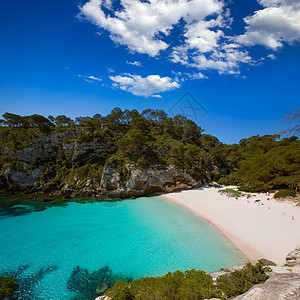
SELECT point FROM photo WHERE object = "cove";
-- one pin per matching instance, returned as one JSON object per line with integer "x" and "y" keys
{"x": 59, "y": 252}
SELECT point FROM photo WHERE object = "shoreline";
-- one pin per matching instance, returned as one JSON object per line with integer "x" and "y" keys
{"x": 249, "y": 254}
{"x": 257, "y": 230}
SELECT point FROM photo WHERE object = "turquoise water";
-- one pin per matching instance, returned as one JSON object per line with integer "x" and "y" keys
{"x": 133, "y": 238}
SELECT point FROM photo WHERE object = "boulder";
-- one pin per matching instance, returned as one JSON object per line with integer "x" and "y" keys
{"x": 22, "y": 176}
{"x": 293, "y": 258}
{"x": 278, "y": 287}
{"x": 110, "y": 178}
{"x": 267, "y": 262}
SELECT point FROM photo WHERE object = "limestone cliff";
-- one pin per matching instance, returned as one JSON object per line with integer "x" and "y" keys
{"x": 28, "y": 164}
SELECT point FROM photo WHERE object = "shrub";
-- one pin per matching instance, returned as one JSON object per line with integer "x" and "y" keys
{"x": 85, "y": 137}
{"x": 189, "y": 285}
{"x": 55, "y": 171}
{"x": 8, "y": 287}
{"x": 124, "y": 173}
{"x": 240, "y": 281}
{"x": 231, "y": 193}
{"x": 284, "y": 194}
{"x": 6, "y": 159}
{"x": 215, "y": 174}
{"x": 248, "y": 189}
{"x": 228, "y": 179}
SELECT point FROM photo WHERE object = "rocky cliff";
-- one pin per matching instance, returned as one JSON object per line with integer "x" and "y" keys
{"x": 28, "y": 166}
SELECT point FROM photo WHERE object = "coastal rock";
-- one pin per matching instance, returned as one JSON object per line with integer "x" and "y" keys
{"x": 103, "y": 298}
{"x": 293, "y": 258}
{"x": 23, "y": 176}
{"x": 224, "y": 271}
{"x": 158, "y": 178}
{"x": 278, "y": 287}
{"x": 110, "y": 178}
{"x": 64, "y": 147}
{"x": 48, "y": 188}
{"x": 267, "y": 262}
{"x": 46, "y": 147}
{"x": 137, "y": 180}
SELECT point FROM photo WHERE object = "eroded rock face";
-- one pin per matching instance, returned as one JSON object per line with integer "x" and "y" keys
{"x": 136, "y": 182}
{"x": 110, "y": 179}
{"x": 293, "y": 258}
{"x": 117, "y": 181}
{"x": 62, "y": 145}
{"x": 278, "y": 287}
{"x": 24, "y": 176}
{"x": 157, "y": 178}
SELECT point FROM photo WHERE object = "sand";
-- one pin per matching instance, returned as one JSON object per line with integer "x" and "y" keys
{"x": 266, "y": 229}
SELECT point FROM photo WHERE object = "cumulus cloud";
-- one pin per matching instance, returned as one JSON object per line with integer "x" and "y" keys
{"x": 144, "y": 86}
{"x": 276, "y": 23}
{"x": 141, "y": 25}
{"x": 224, "y": 58}
{"x": 203, "y": 42}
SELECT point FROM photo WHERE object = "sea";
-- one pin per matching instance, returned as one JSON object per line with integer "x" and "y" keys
{"x": 77, "y": 249}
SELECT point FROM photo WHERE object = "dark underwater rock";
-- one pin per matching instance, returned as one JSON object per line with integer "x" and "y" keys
{"x": 90, "y": 285}
{"x": 27, "y": 282}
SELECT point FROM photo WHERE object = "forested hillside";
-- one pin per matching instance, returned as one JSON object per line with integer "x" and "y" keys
{"x": 132, "y": 153}
{"x": 263, "y": 163}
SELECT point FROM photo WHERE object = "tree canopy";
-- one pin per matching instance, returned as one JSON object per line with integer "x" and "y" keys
{"x": 258, "y": 163}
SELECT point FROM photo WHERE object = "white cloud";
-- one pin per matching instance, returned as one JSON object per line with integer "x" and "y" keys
{"x": 207, "y": 48}
{"x": 144, "y": 27}
{"x": 276, "y": 23}
{"x": 134, "y": 63}
{"x": 140, "y": 25}
{"x": 225, "y": 58}
{"x": 90, "y": 78}
{"x": 144, "y": 86}
{"x": 199, "y": 36}
{"x": 194, "y": 76}
{"x": 271, "y": 56}
{"x": 94, "y": 78}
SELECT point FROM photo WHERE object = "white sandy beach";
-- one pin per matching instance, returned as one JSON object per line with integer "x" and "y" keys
{"x": 269, "y": 229}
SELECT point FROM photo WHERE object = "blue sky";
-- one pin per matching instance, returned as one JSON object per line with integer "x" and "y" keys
{"x": 239, "y": 59}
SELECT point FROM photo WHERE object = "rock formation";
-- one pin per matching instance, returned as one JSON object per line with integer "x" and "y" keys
{"x": 116, "y": 181}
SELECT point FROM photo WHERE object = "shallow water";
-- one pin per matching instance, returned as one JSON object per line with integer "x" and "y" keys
{"x": 131, "y": 238}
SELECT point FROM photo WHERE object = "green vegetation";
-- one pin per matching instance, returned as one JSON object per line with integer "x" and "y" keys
{"x": 8, "y": 287}
{"x": 284, "y": 194}
{"x": 258, "y": 163}
{"x": 231, "y": 193}
{"x": 240, "y": 281}
{"x": 190, "y": 285}
{"x": 263, "y": 164}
